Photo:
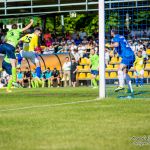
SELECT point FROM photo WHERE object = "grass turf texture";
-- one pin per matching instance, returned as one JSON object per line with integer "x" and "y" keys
{"x": 109, "y": 124}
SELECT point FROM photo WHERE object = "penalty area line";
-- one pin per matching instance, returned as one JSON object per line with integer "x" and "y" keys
{"x": 51, "y": 105}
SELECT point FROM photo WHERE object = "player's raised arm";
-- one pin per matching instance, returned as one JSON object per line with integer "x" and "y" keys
{"x": 28, "y": 26}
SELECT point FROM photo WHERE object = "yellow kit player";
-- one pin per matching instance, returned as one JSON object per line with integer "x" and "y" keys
{"x": 139, "y": 68}
{"x": 30, "y": 43}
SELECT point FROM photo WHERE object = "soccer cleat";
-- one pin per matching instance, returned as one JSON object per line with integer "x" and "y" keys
{"x": 119, "y": 89}
{"x": 15, "y": 84}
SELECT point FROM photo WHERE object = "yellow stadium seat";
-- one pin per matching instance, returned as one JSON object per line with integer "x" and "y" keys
{"x": 116, "y": 66}
{"x": 109, "y": 66}
{"x": 113, "y": 75}
{"x": 113, "y": 60}
{"x": 83, "y": 61}
{"x": 82, "y": 75}
{"x": 130, "y": 74}
{"x": 89, "y": 76}
{"x": 145, "y": 74}
{"x": 88, "y": 61}
{"x": 147, "y": 66}
{"x": 148, "y": 51}
{"x": 106, "y": 75}
{"x": 79, "y": 67}
{"x": 86, "y": 67}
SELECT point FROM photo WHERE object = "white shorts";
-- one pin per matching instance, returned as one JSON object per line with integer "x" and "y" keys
{"x": 139, "y": 73}
{"x": 30, "y": 55}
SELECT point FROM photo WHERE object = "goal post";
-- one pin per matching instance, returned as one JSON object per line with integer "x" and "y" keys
{"x": 101, "y": 14}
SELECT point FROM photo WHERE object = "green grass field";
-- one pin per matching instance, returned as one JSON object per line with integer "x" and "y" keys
{"x": 71, "y": 119}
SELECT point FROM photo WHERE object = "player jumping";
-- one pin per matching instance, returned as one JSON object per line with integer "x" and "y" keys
{"x": 125, "y": 52}
{"x": 30, "y": 42}
{"x": 9, "y": 47}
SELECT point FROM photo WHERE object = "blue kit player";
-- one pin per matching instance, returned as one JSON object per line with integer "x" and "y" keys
{"x": 121, "y": 46}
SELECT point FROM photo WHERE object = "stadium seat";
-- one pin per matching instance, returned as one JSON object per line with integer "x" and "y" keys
{"x": 113, "y": 75}
{"x": 79, "y": 67}
{"x": 89, "y": 75}
{"x": 88, "y": 61}
{"x": 83, "y": 61}
{"x": 145, "y": 74}
{"x": 109, "y": 66}
{"x": 114, "y": 60}
{"x": 82, "y": 75}
{"x": 147, "y": 66}
{"x": 87, "y": 68}
{"x": 148, "y": 51}
{"x": 106, "y": 75}
{"x": 116, "y": 67}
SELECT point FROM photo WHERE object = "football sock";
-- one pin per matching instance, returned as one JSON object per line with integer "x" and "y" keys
{"x": 121, "y": 78}
{"x": 49, "y": 83}
{"x": 14, "y": 74}
{"x": 136, "y": 81}
{"x": 141, "y": 81}
{"x": 94, "y": 82}
{"x": 38, "y": 72}
{"x": 128, "y": 81}
{"x": 9, "y": 85}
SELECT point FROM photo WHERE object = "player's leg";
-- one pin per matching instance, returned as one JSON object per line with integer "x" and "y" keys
{"x": 49, "y": 82}
{"x": 8, "y": 68}
{"x": 121, "y": 75}
{"x": 43, "y": 82}
{"x": 58, "y": 81}
{"x": 93, "y": 80}
{"x": 128, "y": 81}
{"x": 141, "y": 77}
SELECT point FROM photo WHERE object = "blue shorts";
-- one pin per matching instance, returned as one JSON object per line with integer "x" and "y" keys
{"x": 128, "y": 61}
{"x": 94, "y": 72}
{"x": 7, "y": 67}
{"x": 8, "y": 49}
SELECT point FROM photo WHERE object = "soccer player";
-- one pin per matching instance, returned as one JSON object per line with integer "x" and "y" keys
{"x": 9, "y": 47}
{"x": 125, "y": 52}
{"x": 139, "y": 68}
{"x": 30, "y": 42}
{"x": 94, "y": 59}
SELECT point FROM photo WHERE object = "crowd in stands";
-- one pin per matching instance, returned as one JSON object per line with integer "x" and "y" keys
{"x": 79, "y": 45}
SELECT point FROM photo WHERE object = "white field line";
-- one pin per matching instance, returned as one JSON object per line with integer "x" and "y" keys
{"x": 50, "y": 105}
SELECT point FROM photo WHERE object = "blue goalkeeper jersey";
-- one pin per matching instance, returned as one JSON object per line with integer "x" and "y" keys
{"x": 124, "y": 49}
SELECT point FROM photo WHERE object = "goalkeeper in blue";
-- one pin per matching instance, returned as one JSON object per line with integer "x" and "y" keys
{"x": 121, "y": 46}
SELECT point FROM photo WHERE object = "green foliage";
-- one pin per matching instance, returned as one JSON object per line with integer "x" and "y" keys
{"x": 50, "y": 24}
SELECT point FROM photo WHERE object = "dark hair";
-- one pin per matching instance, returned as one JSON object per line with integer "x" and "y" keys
{"x": 115, "y": 31}
{"x": 73, "y": 58}
{"x": 48, "y": 68}
{"x": 67, "y": 57}
{"x": 37, "y": 29}
{"x": 14, "y": 26}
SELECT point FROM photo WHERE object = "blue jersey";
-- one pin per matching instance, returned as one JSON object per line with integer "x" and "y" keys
{"x": 20, "y": 75}
{"x": 124, "y": 49}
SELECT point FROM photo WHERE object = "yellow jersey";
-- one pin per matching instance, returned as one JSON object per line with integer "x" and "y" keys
{"x": 30, "y": 42}
{"x": 139, "y": 63}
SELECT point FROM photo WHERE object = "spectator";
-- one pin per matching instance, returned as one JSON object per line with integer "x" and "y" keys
{"x": 107, "y": 56}
{"x": 74, "y": 35}
{"x": 76, "y": 55}
{"x": 27, "y": 76}
{"x": 55, "y": 77}
{"x": 20, "y": 77}
{"x": 73, "y": 72}
{"x": 47, "y": 77}
{"x": 47, "y": 35}
{"x": 66, "y": 71}
{"x": 78, "y": 41}
{"x": 82, "y": 34}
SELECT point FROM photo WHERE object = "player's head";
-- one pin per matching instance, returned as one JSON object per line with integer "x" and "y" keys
{"x": 139, "y": 53}
{"x": 73, "y": 60}
{"x": 38, "y": 31}
{"x": 48, "y": 69}
{"x": 14, "y": 26}
{"x": 113, "y": 32}
{"x": 92, "y": 52}
{"x": 67, "y": 58}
